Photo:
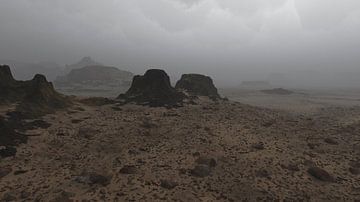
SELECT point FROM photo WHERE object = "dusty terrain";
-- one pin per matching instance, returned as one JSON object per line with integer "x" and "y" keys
{"x": 208, "y": 151}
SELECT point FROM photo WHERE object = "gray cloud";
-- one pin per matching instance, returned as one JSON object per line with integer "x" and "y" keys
{"x": 227, "y": 39}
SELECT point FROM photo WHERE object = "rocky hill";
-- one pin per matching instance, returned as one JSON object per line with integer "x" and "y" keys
{"x": 85, "y": 61}
{"x": 93, "y": 75}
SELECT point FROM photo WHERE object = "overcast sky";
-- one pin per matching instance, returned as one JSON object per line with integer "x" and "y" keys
{"x": 223, "y": 38}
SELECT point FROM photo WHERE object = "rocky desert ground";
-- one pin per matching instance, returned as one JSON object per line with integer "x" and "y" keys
{"x": 203, "y": 150}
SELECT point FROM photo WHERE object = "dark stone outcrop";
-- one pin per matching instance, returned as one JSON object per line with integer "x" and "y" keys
{"x": 153, "y": 89}
{"x": 9, "y": 138}
{"x": 35, "y": 97}
{"x": 197, "y": 84}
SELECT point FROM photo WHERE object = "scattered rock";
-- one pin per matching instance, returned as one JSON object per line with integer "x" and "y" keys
{"x": 153, "y": 89}
{"x": 259, "y": 146}
{"x": 92, "y": 178}
{"x": 263, "y": 173}
{"x": 5, "y": 171}
{"x": 19, "y": 172}
{"x": 168, "y": 184}
{"x": 128, "y": 170}
{"x": 331, "y": 141}
{"x": 291, "y": 167}
{"x": 354, "y": 171}
{"x": 210, "y": 162}
{"x": 63, "y": 196}
{"x": 87, "y": 133}
{"x": 197, "y": 84}
{"x": 320, "y": 174}
{"x": 25, "y": 194}
{"x": 75, "y": 121}
{"x": 8, "y": 197}
{"x": 201, "y": 170}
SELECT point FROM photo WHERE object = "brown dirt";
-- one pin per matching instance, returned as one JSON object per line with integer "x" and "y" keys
{"x": 83, "y": 160}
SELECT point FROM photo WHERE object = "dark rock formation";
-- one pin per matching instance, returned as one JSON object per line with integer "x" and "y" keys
{"x": 197, "y": 84}
{"x": 153, "y": 89}
{"x": 9, "y": 138}
{"x": 278, "y": 91}
{"x": 35, "y": 97}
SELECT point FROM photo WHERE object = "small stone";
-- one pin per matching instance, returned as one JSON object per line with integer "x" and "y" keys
{"x": 5, "y": 171}
{"x": 354, "y": 171}
{"x": 331, "y": 141}
{"x": 24, "y": 194}
{"x": 320, "y": 174}
{"x": 93, "y": 178}
{"x": 201, "y": 171}
{"x": 211, "y": 162}
{"x": 259, "y": 146}
{"x": 168, "y": 184}
{"x": 129, "y": 170}
{"x": 19, "y": 172}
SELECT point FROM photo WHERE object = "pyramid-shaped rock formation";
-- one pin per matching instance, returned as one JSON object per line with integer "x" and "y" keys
{"x": 197, "y": 84}
{"x": 35, "y": 97}
{"x": 154, "y": 89}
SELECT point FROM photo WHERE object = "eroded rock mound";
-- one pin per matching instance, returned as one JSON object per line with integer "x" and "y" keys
{"x": 154, "y": 89}
{"x": 197, "y": 84}
{"x": 35, "y": 97}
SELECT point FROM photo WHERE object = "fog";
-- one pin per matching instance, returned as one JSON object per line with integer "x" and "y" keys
{"x": 302, "y": 42}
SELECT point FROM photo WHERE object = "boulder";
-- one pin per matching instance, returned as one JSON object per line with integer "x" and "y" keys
{"x": 153, "y": 89}
{"x": 197, "y": 84}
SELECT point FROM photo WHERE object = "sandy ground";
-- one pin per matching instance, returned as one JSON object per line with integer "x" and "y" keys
{"x": 306, "y": 102}
{"x": 212, "y": 151}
